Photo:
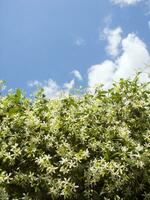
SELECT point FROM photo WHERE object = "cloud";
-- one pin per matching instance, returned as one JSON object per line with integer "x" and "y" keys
{"x": 130, "y": 54}
{"x": 77, "y": 74}
{"x": 101, "y": 73}
{"x": 79, "y": 41}
{"x": 69, "y": 85}
{"x": 134, "y": 57}
{"x": 2, "y": 85}
{"x": 149, "y": 24}
{"x": 125, "y": 2}
{"x": 34, "y": 83}
{"x": 113, "y": 36}
{"x": 51, "y": 89}
{"x": 147, "y": 5}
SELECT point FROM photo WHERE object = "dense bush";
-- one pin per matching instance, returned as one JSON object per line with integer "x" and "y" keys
{"x": 96, "y": 146}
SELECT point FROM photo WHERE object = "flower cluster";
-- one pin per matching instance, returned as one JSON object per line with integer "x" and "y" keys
{"x": 96, "y": 146}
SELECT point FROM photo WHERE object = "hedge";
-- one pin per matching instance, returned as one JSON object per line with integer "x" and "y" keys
{"x": 94, "y": 146}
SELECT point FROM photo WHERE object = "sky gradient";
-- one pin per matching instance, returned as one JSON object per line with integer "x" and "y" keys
{"x": 64, "y": 43}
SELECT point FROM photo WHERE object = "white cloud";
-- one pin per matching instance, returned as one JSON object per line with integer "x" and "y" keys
{"x": 2, "y": 85}
{"x": 69, "y": 85}
{"x": 147, "y": 5}
{"x": 79, "y": 41}
{"x": 51, "y": 89}
{"x": 149, "y": 24}
{"x": 134, "y": 57}
{"x": 101, "y": 73}
{"x": 125, "y": 2}
{"x": 77, "y": 74}
{"x": 131, "y": 57}
{"x": 113, "y": 36}
{"x": 34, "y": 83}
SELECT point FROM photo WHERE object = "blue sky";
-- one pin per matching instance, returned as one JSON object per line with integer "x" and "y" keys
{"x": 64, "y": 43}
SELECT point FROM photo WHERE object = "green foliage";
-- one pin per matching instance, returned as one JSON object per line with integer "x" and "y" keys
{"x": 96, "y": 146}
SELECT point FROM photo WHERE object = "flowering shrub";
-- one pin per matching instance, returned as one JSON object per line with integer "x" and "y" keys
{"x": 96, "y": 146}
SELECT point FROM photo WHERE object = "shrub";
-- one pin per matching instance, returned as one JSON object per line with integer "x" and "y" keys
{"x": 96, "y": 146}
